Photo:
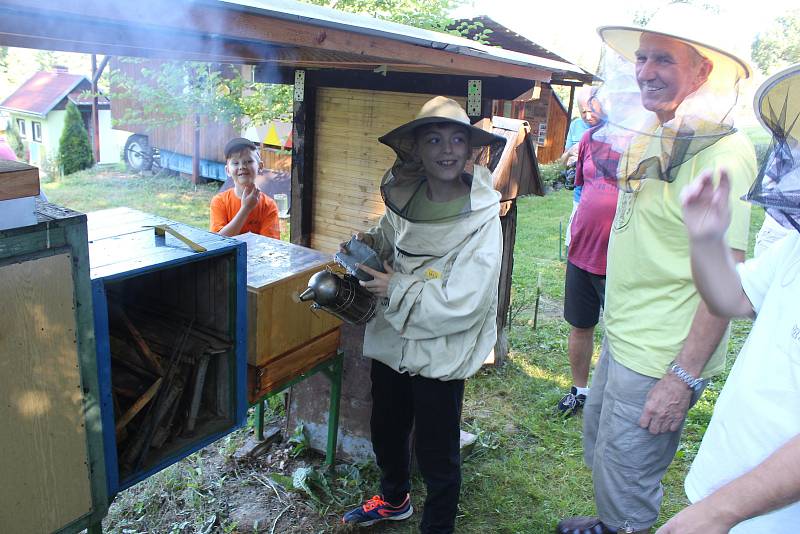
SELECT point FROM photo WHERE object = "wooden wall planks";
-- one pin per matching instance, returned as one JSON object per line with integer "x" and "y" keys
{"x": 350, "y": 161}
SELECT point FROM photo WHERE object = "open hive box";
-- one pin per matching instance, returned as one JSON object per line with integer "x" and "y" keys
{"x": 170, "y": 328}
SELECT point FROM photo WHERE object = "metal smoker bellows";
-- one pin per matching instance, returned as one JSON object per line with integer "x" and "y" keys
{"x": 340, "y": 295}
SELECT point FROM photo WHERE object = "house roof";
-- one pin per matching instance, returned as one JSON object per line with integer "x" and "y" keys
{"x": 508, "y": 39}
{"x": 282, "y": 33}
{"x": 44, "y": 91}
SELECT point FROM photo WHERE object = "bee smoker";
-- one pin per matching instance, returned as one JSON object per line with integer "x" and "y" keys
{"x": 341, "y": 296}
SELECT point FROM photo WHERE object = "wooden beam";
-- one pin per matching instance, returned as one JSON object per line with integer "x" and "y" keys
{"x": 223, "y": 21}
{"x": 99, "y": 70}
{"x": 569, "y": 110}
{"x": 95, "y": 115}
{"x": 21, "y": 28}
{"x": 405, "y": 82}
{"x": 303, "y": 141}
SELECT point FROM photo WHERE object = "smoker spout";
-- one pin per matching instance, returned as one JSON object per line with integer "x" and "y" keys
{"x": 307, "y": 295}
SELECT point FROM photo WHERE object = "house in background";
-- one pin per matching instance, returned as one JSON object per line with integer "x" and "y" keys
{"x": 38, "y": 109}
{"x": 547, "y": 115}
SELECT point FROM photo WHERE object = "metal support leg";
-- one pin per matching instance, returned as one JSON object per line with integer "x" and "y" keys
{"x": 260, "y": 420}
{"x": 96, "y": 528}
{"x": 334, "y": 374}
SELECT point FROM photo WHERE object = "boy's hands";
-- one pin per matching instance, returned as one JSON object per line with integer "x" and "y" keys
{"x": 361, "y": 236}
{"x": 706, "y": 212}
{"x": 250, "y": 195}
{"x": 379, "y": 285}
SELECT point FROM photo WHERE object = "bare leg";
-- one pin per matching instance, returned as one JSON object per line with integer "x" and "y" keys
{"x": 580, "y": 347}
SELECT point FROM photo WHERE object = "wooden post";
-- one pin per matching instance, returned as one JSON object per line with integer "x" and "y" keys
{"x": 508, "y": 223}
{"x": 569, "y": 109}
{"x": 303, "y": 137}
{"x": 196, "y": 151}
{"x": 95, "y": 114}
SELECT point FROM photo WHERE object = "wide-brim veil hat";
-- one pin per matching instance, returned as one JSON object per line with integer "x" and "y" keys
{"x": 649, "y": 146}
{"x": 436, "y": 110}
{"x": 407, "y": 176}
{"x": 696, "y": 28}
{"x": 777, "y": 186}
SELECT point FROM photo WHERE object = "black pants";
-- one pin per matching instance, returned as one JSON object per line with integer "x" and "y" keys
{"x": 433, "y": 408}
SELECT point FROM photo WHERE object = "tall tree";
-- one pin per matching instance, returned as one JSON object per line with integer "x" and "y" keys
{"x": 74, "y": 148}
{"x": 779, "y": 45}
{"x": 428, "y": 14}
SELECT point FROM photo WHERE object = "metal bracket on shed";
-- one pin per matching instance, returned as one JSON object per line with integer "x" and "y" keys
{"x": 474, "y": 97}
{"x": 162, "y": 230}
{"x": 299, "y": 85}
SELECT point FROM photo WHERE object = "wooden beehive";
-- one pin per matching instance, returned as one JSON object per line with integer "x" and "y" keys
{"x": 278, "y": 323}
{"x": 18, "y": 180}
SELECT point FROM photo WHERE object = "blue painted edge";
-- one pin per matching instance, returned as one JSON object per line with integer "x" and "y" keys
{"x": 102, "y": 340}
{"x": 240, "y": 406}
{"x": 148, "y": 268}
{"x": 241, "y": 334}
{"x": 177, "y": 456}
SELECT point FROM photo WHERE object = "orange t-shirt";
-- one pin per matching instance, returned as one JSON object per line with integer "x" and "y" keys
{"x": 262, "y": 220}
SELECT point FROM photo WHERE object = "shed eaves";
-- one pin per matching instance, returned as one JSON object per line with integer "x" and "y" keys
{"x": 366, "y": 25}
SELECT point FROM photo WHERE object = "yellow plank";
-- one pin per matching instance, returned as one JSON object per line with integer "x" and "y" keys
{"x": 44, "y": 464}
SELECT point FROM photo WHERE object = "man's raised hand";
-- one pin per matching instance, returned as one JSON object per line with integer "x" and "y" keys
{"x": 706, "y": 210}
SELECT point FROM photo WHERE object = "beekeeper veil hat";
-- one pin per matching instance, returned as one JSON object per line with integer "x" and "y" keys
{"x": 777, "y": 186}
{"x": 649, "y": 146}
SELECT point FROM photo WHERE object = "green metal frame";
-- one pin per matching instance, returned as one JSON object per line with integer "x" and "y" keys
{"x": 332, "y": 368}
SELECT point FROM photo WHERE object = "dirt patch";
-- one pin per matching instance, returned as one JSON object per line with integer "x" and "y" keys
{"x": 212, "y": 491}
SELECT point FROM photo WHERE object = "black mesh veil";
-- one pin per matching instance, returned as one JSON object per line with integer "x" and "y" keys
{"x": 634, "y": 145}
{"x": 777, "y": 187}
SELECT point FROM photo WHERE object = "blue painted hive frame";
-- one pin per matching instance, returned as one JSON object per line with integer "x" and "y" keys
{"x": 134, "y": 268}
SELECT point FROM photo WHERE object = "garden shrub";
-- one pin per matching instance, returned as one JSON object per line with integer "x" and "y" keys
{"x": 15, "y": 142}
{"x": 74, "y": 149}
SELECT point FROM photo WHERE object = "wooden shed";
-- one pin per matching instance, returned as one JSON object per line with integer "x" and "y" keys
{"x": 354, "y": 79}
{"x": 547, "y": 115}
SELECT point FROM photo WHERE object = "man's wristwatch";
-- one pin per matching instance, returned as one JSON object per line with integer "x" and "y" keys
{"x": 684, "y": 375}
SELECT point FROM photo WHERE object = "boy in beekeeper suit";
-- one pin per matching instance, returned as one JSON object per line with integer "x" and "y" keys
{"x": 441, "y": 243}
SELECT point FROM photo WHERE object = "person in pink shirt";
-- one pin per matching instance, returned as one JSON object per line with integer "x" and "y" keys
{"x": 584, "y": 290}
{"x": 6, "y": 152}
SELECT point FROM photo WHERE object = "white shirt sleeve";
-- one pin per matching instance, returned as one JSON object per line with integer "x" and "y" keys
{"x": 757, "y": 274}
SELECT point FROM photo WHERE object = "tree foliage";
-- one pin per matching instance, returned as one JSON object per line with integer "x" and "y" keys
{"x": 15, "y": 141}
{"x": 74, "y": 149}
{"x": 168, "y": 92}
{"x": 779, "y": 46}
{"x": 428, "y": 14}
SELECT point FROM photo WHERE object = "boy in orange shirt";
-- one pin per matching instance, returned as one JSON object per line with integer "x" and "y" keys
{"x": 243, "y": 208}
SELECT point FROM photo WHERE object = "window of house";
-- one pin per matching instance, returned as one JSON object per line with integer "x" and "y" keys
{"x": 21, "y": 128}
{"x": 36, "y": 131}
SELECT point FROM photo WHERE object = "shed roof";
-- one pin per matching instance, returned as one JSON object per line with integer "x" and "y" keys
{"x": 283, "y": 33}
{"x": 43, "y": 91}
{"x": 508, "y": 39}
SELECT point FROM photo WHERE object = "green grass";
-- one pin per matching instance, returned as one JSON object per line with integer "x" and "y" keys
{"x": 104, "y": 187}
{"x": 525, "y": 473}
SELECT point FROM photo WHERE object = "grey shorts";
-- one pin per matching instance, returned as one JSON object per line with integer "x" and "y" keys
{"x": 627, "y": 462}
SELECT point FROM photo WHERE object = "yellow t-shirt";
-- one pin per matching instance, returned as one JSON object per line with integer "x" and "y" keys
{"x": 421, "y": 208}
{"x": 650, "y": 296}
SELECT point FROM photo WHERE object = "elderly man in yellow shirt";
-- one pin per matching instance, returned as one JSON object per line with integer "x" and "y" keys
{"x": 662, "y": 343}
